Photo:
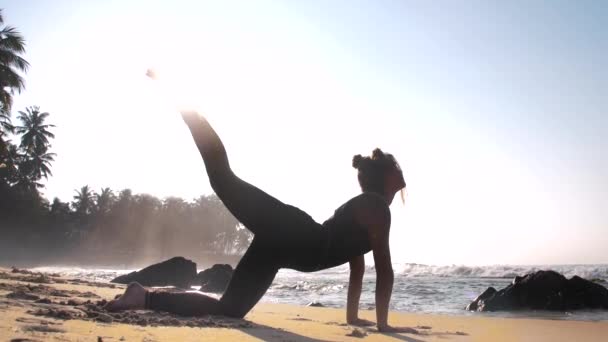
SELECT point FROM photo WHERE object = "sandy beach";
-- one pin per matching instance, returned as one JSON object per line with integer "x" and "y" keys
{"x": 38, "y": 307}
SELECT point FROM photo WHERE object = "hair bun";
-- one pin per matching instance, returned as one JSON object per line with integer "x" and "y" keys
{"x": 357, "y": 161}
{"x": 377, "y": 154}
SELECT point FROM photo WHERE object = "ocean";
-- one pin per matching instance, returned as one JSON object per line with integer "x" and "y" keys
{"x": 418, "y": 288}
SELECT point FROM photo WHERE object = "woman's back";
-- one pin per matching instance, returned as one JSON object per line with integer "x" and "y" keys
{"x": 348, "y": 238}
{"x": 340, "y": 238}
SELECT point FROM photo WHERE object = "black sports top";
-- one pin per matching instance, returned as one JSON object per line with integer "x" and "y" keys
{"x": 346, "y": 237}
{"x": 310, "y": 246}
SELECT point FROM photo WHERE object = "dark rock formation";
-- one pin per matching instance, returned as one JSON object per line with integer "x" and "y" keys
{"x": 177, "y": 271}
{"x": 489, "y": 292}
{"x": 316, "y": 304}
{"x": 543, "y": 290}
{"x": 215, "y": 279}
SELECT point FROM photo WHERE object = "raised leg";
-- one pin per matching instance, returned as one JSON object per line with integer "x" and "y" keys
{"x": 254, "y": 208}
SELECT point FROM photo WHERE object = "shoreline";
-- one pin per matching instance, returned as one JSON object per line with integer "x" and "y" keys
{"x": 45, "y": 306}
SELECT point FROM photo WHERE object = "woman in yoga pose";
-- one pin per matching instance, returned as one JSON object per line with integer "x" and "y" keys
{"x": 286, "y": 237}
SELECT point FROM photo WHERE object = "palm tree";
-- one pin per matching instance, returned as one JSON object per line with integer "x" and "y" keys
{"x": 5, "y": 121}
{"x": 6, "y": 128}
{"x": 9, "y": 159}
{"x": 83, "y": 200}
{"x": 12, "y": 45}
{"x": 41, "y": 164}
{"x": 104, "y": 201}
{"x": 35, "y": 132}
{"x": 36, "y": 161}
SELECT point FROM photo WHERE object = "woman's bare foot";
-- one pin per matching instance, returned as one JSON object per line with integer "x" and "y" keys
{"x": 134, "y": 298}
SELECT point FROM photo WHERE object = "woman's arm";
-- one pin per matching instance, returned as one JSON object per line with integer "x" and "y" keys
{"x": 357, "y": 268}
{"x": 378, "y": 220}
{"x": 384, "y": 275}
{"x": 376, "y": 216}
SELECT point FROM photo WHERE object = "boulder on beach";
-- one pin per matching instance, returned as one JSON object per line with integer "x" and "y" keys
{"x": 177, "y": 271}
{"x": 543, "y": 290}
{"x": 489, "y": 292}
{"x": 316, "y": 304}
{"x": 215, "y": 279}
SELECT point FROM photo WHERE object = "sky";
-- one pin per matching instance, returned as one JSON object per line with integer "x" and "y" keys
{"x": 496, "y": 110}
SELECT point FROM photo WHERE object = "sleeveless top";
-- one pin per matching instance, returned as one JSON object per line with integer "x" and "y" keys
{"x": 346, "y": 238}
{"x": 309, "y": 246}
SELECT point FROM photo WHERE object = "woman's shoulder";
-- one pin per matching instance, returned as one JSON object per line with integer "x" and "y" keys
{"x": 371, "y": 199}
{"x": 371, "y": 206}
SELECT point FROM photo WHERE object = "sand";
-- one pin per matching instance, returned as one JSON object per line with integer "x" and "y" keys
{"x": 36, "y": 307}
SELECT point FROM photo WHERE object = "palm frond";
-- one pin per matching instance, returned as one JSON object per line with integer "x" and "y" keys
{"x": 9, "y": 58}
{"x": 6, "y": 126}
{"x": 6, "y": 99}
{"x": 12, "y": 39}
{"x": 10, "y": 78}
{"x": 12, "y": 45}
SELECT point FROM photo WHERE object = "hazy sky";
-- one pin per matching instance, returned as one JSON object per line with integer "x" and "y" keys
{"x": 497, "y": 111}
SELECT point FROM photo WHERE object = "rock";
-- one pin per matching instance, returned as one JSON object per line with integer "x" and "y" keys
{"x": 44, "y": 301}
{"x": 585, "y": 294}
{"x": 104, "y": 318}
{"x": 543, "y": 290}
{"x": 485, "y": 295}
{"x": 17, "y": 270}
{"x": 315, "y": 304}
{"x": 516, "y": 280}
{"x": 357, "y": 333}
{"x": 74, "y": 302}
{"x": 22, "y": 295}
{"x": 215, "y": 279}
{"x": 177, "y": 271}
{"x": 40, "y": 279}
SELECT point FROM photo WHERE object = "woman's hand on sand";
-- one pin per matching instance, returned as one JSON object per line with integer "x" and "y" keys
{"x": 360, "y": 322}
{"x": 389, "y": 329}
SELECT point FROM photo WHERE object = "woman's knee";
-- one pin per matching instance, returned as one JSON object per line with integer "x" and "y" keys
{"x": 222, "y": 181}
{"x": 233, "y": 311}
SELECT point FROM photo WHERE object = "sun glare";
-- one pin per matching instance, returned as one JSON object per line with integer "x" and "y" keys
{"x": 176, "y": 88}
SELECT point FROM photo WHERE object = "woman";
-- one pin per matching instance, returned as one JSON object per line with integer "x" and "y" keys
{"x": 286, "y": 237}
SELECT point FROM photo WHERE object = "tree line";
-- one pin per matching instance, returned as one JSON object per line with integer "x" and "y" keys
{"x": 102, "y": 227}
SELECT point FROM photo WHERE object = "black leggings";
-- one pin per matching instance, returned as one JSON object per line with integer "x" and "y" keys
{"x": 265, "y": 216}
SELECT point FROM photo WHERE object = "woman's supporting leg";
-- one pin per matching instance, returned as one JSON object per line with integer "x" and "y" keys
{"x": 250, "y": 280}
{"x": 136, "y": 297}
{"x": 182, "y": 303}
{"x": 255, "y": 209}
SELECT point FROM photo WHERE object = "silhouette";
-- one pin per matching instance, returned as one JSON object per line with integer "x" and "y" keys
{"x": 11, "y": 64}
{"x": 287, "y": 237}
{"x": 83, "y": 201}
{"x": 23, "y": 166}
